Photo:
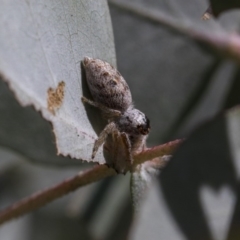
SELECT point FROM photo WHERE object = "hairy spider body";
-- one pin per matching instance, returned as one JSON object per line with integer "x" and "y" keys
{"x": 136, "y": 125}
{"x": 128, "y": 127}
{"x": 107, "y": 85}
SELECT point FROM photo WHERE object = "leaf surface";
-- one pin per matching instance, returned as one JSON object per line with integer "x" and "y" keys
{"x": 42, "y": 46}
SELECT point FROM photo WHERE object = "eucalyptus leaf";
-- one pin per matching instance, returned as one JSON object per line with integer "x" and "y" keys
{"x": 42, "y": 46}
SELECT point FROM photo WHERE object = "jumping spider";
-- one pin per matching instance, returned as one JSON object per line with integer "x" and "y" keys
{"x": 127, "y": 126}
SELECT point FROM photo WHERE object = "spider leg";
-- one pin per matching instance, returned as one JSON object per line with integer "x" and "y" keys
{"x": 122, "y": 156}
{"x": 110, "y": 113}
{"x": 102, "y": 137}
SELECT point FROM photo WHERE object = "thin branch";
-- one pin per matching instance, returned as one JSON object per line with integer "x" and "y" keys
{"x": 152, "y": 15}
{"x": 43, "y": 197}
{"x": 222, "y": 42}
{"x": 94, "y": 174}
{"x": 158, "y": 151}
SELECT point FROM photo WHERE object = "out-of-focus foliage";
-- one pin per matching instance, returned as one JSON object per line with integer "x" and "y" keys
{"x": 186, "y": 83}
{"x": 219, "y": 6}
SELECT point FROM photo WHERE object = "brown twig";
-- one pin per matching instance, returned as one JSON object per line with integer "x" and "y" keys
{"x": 43, "y": 197}
{"x": 157, "y": 151}
{"x": 94, "y": 174}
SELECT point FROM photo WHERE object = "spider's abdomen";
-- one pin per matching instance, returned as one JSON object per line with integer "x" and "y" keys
{"x": 107, "y": 85}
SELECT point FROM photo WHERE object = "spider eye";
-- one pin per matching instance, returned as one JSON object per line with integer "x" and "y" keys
{"x": 143, "y": 129}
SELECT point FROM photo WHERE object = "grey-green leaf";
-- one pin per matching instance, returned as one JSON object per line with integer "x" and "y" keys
{"x": 42, "y": 44}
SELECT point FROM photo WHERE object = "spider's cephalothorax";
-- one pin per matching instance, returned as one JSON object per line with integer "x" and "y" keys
{"x": 127, "y": 125}
{"x": 136, "y": 125}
